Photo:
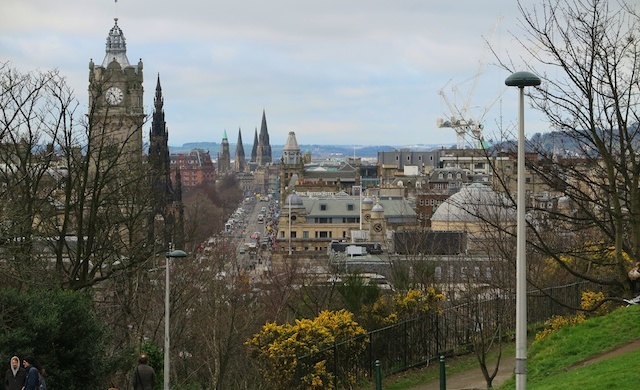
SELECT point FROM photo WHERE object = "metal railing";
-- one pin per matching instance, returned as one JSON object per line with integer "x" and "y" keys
{"x": 421, "y": 341}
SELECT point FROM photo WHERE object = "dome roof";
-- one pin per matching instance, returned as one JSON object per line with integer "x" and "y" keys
{"x": 473, "y": 203}
{"x": 378, "y": 207}
{"x": 116, "y": 48}
{"x": 293, "y": 200}
{"x": 367, "y": 200}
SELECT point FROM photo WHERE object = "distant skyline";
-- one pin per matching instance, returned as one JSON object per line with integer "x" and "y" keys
{"x": 357, "y": 72}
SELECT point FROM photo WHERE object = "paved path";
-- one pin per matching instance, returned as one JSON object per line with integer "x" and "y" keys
{"x": 473, "y": 379}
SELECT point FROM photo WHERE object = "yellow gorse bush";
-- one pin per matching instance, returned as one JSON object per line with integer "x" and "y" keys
{"x": 289, "y": 355}
{"x": 589, "y": 299}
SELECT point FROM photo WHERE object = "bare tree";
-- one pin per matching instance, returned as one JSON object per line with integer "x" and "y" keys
{"x": 588, "y": 54}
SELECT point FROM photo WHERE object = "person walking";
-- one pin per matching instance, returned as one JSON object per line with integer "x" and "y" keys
{"x": 32, "y": 382}
{"x": 15, "y": 376}
{"x": 144, "y": 377}
{"x": 43, "y": 382}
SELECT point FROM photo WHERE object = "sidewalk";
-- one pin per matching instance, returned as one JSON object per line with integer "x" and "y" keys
{"x": 473, "y": 379}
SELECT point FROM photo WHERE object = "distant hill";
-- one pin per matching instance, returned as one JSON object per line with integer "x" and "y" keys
{"x": 317, "y": 151}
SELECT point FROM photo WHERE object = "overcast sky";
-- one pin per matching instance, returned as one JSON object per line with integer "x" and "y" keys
{"x": 350, "y": 72}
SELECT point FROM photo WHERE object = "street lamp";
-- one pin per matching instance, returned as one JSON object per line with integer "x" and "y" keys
{"x": 521, "y": 80}
{"x": 168, "y": 256}
{"x": 289, "y": 201}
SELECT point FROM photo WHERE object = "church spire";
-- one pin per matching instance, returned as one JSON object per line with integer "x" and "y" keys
{"x": 254, "y": 150}
{"x": 239, "y": 161}
{"x": 263, "y": 153}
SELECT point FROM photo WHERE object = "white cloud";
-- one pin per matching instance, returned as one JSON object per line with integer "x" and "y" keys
{"x": 332, "y": 70}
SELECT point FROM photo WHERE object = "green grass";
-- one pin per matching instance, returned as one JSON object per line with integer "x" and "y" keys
{"x": 552, "y": 363}
{"x": 431, "y": 373}
{"x": 614, "y": 373}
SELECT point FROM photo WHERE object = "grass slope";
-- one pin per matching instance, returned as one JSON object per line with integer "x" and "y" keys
{"x": 552, "y": 363}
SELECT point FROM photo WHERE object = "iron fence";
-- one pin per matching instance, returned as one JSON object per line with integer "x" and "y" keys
{"x": 421, "y": 341}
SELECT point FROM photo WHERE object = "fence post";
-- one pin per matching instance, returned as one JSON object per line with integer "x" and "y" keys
{"x": 335, "y": 365}
{"x": 437, "y": 334}
{"x": 443, "y": 375}
{"x": 378, "y": 376}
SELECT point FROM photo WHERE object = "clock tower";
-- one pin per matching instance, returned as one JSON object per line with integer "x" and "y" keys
{"x": 116, "y": 114}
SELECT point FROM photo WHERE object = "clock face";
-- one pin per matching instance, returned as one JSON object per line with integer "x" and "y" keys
{"x": 114, "y": 96}
{"x": 377, "y": 227}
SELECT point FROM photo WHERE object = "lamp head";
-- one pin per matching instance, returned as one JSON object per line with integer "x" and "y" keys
{"x": 523, "y": 79}
{"x": 176, "y": 253}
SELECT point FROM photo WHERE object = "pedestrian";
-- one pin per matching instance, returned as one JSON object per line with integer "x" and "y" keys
{"x": 15, "y": 376}
{"x": 145, "y": 377}
{"x": 33, "y": 375}
{"x": 43, "y": 383}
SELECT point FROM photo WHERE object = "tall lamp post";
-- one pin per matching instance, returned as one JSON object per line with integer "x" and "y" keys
{"x": 521, "y": 80}
{"x": 168, "y": 256}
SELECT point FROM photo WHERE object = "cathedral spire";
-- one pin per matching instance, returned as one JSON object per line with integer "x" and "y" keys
{"x": 239, "y": 161}
{"x": 263, "y": 153}
{"x": 254, "y": 150}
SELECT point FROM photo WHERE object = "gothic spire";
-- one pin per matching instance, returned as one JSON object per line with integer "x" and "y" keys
{"x": 263, "y": 153}
{"x": 158, "y": 100}
{"x": 158, "y": 124}
{"x": 254, "y": 151}
{"x": 240, "y": 161}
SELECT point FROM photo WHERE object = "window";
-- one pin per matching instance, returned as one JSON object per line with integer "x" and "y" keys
{"x": 323, "y": 234}
{"x": 305, "y": 234}
{"x": 282, "y": 234}
{"x": 438, "y": 272}
{"x": 323, "y": 207}
{"x": 293, "y": 234}
{"x": 350, "y": 207}
{"x": 397, "y": 158}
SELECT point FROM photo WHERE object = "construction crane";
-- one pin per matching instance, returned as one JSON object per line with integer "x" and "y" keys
{"x": 458, "y": 117}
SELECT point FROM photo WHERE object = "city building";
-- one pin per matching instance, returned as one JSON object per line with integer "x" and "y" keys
{"x": 194, "y": 168}
{"x": 116, "y": 112}
{"x": 224, "y": 157}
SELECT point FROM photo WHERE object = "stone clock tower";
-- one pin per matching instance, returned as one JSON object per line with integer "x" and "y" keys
{"x": 116, "y": 114}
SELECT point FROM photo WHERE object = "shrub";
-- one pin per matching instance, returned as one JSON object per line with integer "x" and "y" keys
{"x": 277, "y": 349}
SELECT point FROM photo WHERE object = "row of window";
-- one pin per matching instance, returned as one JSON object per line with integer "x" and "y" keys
{"x": 463, "y": 272}
{"x": 350, "y": 207}
{"x": 336, "y": 220}
{"x": 430, "y": 202}
{"x": 409, "y": 158}
{"x": 318, "y": 234}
